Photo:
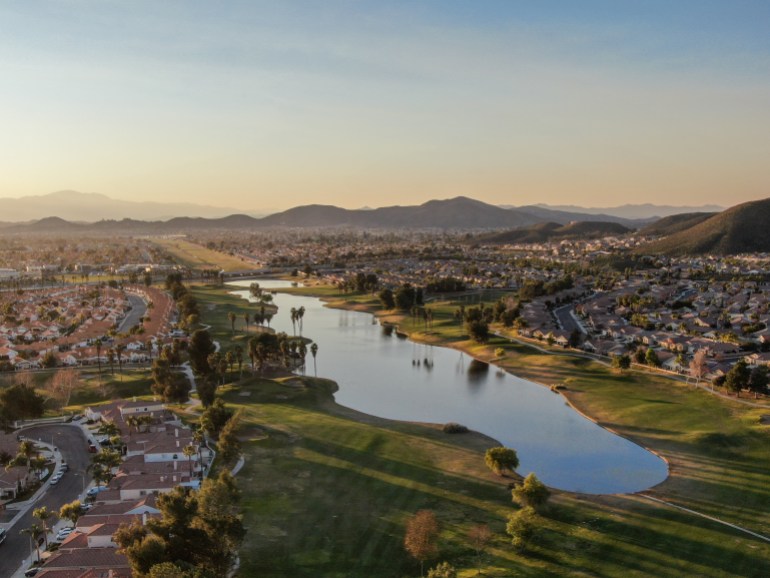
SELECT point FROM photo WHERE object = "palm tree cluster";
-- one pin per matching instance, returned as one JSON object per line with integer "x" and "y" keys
{"x": 278, "y": 350}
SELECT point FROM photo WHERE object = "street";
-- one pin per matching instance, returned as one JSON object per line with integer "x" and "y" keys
{"x": 71, "y": 442}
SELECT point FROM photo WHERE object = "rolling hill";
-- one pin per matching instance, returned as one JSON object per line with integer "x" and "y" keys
{"x": 740, "y": 229}
{"x": 543, "y": 232}
{"x": 673, "y": 224}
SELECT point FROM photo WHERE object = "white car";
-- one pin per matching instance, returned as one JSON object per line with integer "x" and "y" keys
{"x": 55, "y": 479}
{"x": 63, "y": 533}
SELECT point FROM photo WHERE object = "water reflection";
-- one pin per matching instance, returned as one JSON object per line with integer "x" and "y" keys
{"x": 375, "y": 375}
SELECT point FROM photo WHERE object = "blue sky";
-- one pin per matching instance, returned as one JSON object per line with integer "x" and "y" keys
{"x": 269, "y": 105}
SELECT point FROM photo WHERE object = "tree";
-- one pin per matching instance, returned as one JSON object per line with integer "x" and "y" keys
{"x": 758, "y": 380}
{"x": 197, "y": 530}
{"x": 44, "y": 515}
{"x": 63, "y": 383}
{"x": 207, "y": 389}
{"x": 738, "y": 377}
{"x": 500, "y": 459}
{"x": 20, "y": 402}
{"x": 119, "y": 349}
{"x": 521, "y": 527}
{"x": 405, "y": 297}
{"x": 443, "y": 570}
{"x": 201, "y": 346}
{"x": 421, "y": 537}
{"x": 189, "y": 451}
{"x": 532, "y": 492}
{"x": 651, "y": 357}
{"x": 34, "y": 532}
{"x": 621, "y": 362}
{"x": 478, "y": 330}
{"x": 170, "y": 385}
{"x": 314, "y": 352}
{"x": 98, "y": 345}
{"x": 386, "y": 299}
{"x": 71, "y": 511}
{"x": 479, "y": 537}
{"x": 698, "y": 367}
{"x": 228, "y": 444}
{"x": 215, "y": 417}
{"x": 231, "y": 317}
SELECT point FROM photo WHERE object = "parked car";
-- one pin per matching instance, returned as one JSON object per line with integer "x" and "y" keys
{"x": 3, "y": 535}
{"x": 64, "y": 467}
{"x": 55, "y": 478}
{"x": 95, "y": 490}
{"x": 63, "y": 533}
{"x": 32, "y": 572}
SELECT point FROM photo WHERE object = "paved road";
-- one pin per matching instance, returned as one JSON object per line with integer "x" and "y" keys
{"x": 138, "y": 309}
{"x": 567, "y": 319}
{"x": 71, "y": 442}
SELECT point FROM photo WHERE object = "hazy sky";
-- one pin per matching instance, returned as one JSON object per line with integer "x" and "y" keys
{"x": 274, "y": 104}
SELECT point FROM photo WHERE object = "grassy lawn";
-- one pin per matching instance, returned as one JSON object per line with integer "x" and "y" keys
{"x": 91, "y": 389}
{"x": 327, "y": 490}
{"x": 198, "y": 257}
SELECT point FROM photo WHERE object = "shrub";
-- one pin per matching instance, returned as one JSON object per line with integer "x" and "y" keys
{"x": 454, "y": 428}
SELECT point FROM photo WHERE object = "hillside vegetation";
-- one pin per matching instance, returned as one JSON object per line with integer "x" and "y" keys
{"x": 543, "y": 232}
{"x": 740, "y": 229}
{"x": 674, "y": 224}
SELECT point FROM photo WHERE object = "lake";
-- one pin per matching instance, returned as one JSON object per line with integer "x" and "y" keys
{"x": 385, "y": 374}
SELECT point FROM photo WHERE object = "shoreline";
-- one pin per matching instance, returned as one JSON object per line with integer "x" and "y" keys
{"x": 395, "y": 320}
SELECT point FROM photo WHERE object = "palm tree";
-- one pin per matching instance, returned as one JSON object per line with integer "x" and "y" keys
{"x": 302, "y": 354}
{"x": 239, "y": 359}
{"x": 314, "y": 351}
{"x": 98, "y": 345}
{"x": 44, "y": 514}
{"x": 246, "y": 318}
{"x": 189, "y": 451}
{"x": 26, "y": 451}
{"x": 231, "y": 317}
{"x": 111, "y": 359}
{"x": 294, "y": 318}
{"x": 300, "y": 315}
{"x": 34, "y": 532}
{"x": 199, "y": 437}
{"x": 119, "y": 349}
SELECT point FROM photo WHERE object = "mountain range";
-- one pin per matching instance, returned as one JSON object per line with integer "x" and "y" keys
{"x": 740, "y": 229}
{"x": 457, "y": 213}
{"x": 92, "y": 207}
{"x": 642, "y": 211}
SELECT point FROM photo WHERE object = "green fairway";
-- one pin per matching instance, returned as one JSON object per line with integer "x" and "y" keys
{"x": 327, "y": 490}
{"x": 198, "y": 257}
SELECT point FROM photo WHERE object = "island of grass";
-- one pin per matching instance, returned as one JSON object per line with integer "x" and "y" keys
{"x": 327, "y": 490}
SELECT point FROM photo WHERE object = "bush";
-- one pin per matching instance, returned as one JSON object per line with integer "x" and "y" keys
{"x": 454, "y": 428}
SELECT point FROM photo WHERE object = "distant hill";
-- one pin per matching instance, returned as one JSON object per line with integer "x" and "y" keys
{"x": 674, "y": 223}
{"x": 457, "y": 213}
{"x": 90, "y": 207}
{"x": 562, "y": 216}
{"x": 644, "y": 211}
{"x": 740, "y": 229}
{"x": 543, "y": 232}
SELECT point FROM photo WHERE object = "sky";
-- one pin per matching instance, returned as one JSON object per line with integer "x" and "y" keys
{"x": 269, "y": 105}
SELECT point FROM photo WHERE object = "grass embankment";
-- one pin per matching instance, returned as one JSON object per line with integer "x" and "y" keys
{"x": 327, "y": 490}
{"x": 90, "y": 387}
{"x": 196, "y": 256}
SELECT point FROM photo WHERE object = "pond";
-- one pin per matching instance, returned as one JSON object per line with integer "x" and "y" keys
{"x": 382, "y": 373}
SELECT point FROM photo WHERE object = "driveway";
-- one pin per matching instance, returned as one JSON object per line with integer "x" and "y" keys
{"x": 71, "y": 442}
